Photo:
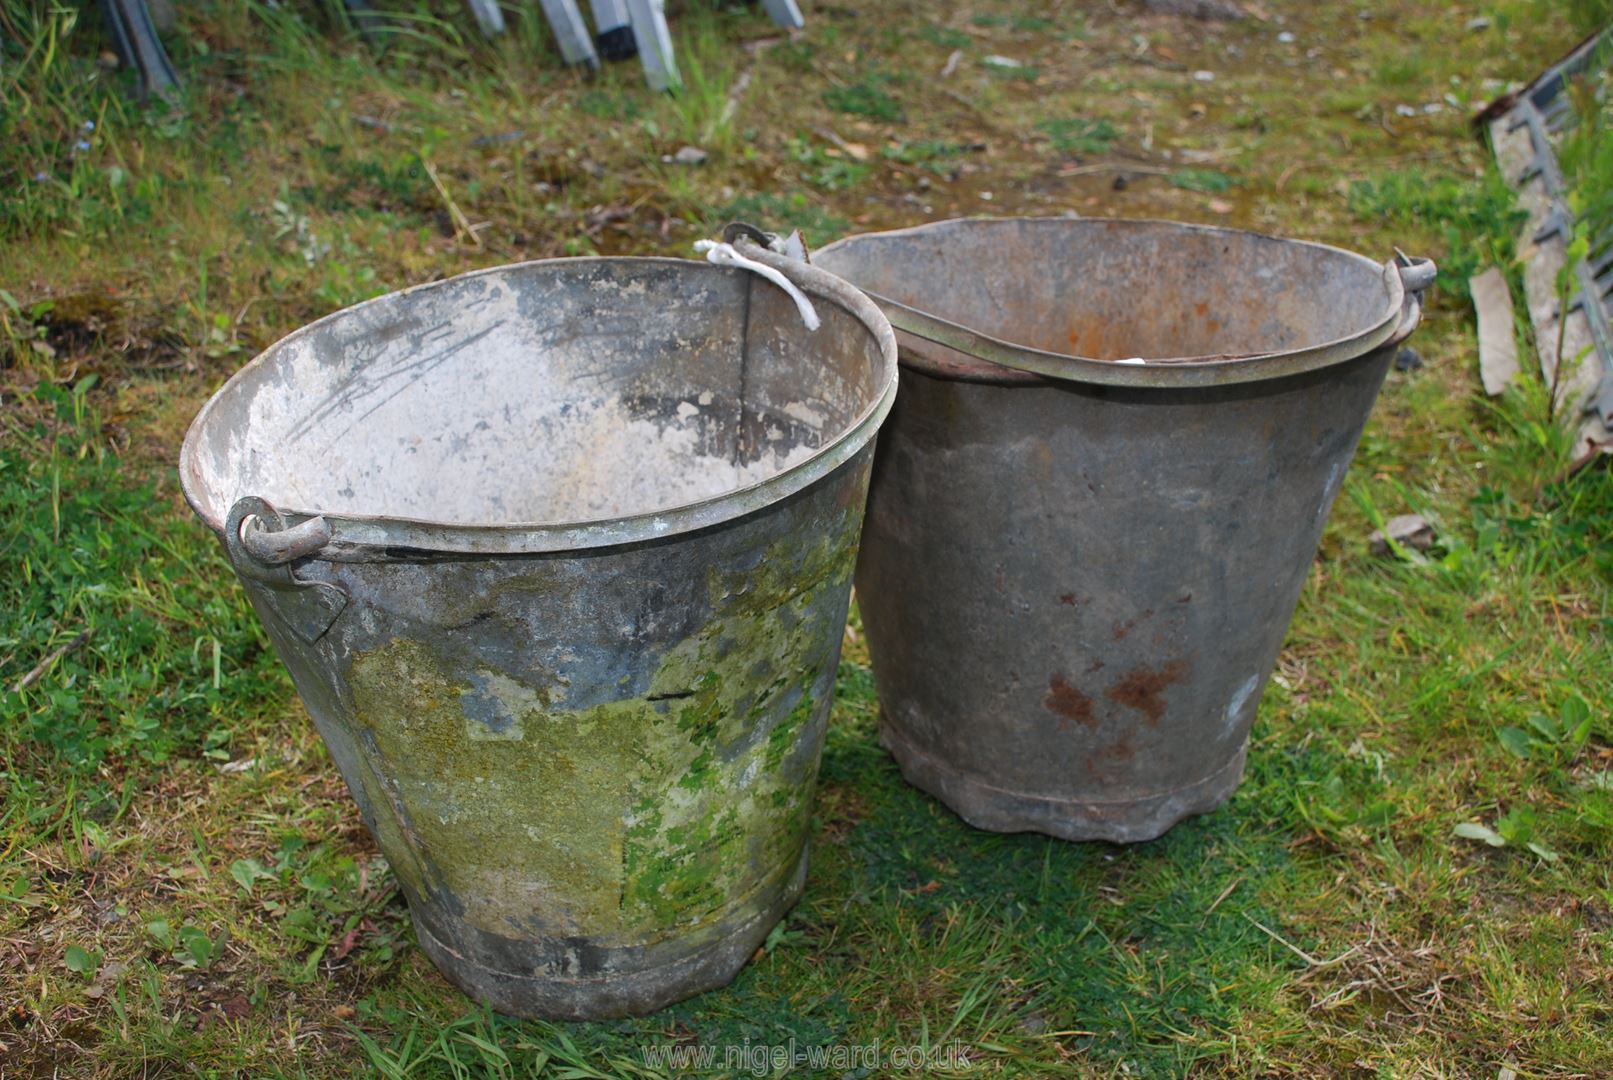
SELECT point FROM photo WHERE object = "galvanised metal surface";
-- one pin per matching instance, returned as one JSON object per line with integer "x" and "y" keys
{"x": 560, "y": 566}
{"x": 1076, "y": 572}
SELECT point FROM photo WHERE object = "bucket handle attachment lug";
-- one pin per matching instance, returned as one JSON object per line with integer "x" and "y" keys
{"x": 736, "y": 231}
{"x": 791, "y": 245}
{"x": 262, "y": 547}
{"x": 1416, "y": 274}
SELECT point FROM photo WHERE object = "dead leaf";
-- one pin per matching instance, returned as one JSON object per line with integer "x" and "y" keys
{"x": 350, "y": 939}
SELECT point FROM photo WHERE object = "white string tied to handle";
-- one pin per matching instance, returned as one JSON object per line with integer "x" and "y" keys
{"x": 722, "y": 254}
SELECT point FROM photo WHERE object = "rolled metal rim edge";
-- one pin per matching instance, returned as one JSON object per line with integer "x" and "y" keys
{"x": 1157, "y": 373}
{"x": 359, "y": 537}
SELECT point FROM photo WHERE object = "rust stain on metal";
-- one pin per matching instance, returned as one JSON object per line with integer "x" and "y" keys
{"x": 1142, "y": 689}
{"x": 1124, "y": 628}
{"x": 1099, "y": 762}
{"x": 1069, "y": 703}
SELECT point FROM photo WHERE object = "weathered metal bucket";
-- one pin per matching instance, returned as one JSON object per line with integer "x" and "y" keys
{"x": 1078, "y": 565}
{"x": 559, "y": 556}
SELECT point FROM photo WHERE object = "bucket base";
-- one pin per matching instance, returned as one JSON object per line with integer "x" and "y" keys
{"x": 997, "y": 810}
{"x": 625, "y": 993}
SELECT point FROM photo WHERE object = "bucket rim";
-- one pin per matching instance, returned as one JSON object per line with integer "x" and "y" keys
{"x": 1004, "y": 362}
{"x": 374, "y": 537}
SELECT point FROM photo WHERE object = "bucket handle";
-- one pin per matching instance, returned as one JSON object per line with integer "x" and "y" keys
{"x": 1416, "y": 275}
{"x": 262, "y": 548}
{"x": 788, "y": 256}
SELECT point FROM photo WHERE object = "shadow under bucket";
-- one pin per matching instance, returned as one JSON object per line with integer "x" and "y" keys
{"x": 558, "y": 556}
{"x": 1114, "y": 449}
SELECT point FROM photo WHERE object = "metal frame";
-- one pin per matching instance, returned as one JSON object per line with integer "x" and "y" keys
{"x": 1544, "y": 110}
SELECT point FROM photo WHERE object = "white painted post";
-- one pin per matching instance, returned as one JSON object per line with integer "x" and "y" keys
{"x": 648, "y": 18}
{"x": 488, "y": 16}
{"x": 576, "y": 46}
{"x": 787, "y": 13}
{"x": 612, "y": 33}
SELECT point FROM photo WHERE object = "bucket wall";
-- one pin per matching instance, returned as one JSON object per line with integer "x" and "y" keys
{"x": 592, "y": 775}
{"x": 1074, "y": 596}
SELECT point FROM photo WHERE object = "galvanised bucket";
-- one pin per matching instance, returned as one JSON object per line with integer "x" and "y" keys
{"x": 559, "y": 556}
{"x": 1107, "y": 472}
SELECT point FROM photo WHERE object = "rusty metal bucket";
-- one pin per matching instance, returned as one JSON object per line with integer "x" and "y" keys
{"x": 1105, "y": 477}
{"x": 559, "y": 556}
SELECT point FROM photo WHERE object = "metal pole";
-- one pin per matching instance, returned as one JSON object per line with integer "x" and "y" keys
{"x": 138, "y": 46}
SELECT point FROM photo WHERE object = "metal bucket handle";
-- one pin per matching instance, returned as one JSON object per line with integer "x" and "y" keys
{"x": 1416, "y": 274}
{"x": 1405, "y": 274}
{"x": 263, "y": 548}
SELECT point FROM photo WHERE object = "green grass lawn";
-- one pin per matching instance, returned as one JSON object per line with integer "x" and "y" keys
{"x": 185, "y": 887}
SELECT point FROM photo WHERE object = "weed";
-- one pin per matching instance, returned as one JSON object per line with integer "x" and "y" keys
{"x": 938, "y": 156}
{"x": 866, "y": 97}
{"x": 945, "y": 36}
{"x": 1080, "y": 136}
{"x": 81, "y": 961}
{"x": 798, "y": 55}
{"x": 1208, "y": 180}
{"x": 824, "y": 171}
{"x": 1557, "y": 740}
{"x": 603, "y": 105}
{"x": 1586, "y": 16}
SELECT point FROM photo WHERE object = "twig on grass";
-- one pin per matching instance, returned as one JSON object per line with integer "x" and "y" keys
{"x": 462, "y": 225}
{"x": 1301, "y": 953}
{"x": 44, "y": 665}
{"x": 1226, "y": 892}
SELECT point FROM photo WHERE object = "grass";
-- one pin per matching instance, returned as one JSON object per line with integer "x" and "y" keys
{"x": 867, "y": 97}
{"x": 1414, "y": 879}
{"x": 1078, "y": 136}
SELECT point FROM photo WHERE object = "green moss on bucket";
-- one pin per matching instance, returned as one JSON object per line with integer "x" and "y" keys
{"x": 623, "y": 822}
